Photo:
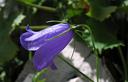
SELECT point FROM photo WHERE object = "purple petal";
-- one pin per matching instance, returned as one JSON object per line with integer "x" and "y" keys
{"x": 29, "y": 30}
{"x": 34, "y": 40}
{"x": 44, "y": 56}
{"x": 23, "y": 37}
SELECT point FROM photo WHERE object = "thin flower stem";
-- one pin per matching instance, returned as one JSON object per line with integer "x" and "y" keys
{"x": 124, "y": 64}
{"x": 75, "y": 69}
{"x": 95, "y": 50}
{"x": 34, "y": 27}
{"x": 50, "y": 9}
{"x": 36, "y": 77}
{"x": 97, "y": 66}
{"x": 30, "y": 55}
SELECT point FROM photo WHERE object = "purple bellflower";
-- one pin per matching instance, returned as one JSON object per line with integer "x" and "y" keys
{"x": 47, "y": 43}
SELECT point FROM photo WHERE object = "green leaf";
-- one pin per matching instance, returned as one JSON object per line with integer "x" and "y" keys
{"x": 100, "y": 11}
{"x": 73, "y": 12}
{"x": 104, "y": 37}
{"x": 18, "y": 20}
{"x": 7, "y": 47}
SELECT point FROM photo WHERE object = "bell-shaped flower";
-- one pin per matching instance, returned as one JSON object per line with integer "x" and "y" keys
{"x": 47, "y": 43}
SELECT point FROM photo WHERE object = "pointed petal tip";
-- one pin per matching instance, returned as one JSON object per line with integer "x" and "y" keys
{"x": 23, "y": 37}
{"x": 27, "y": 27}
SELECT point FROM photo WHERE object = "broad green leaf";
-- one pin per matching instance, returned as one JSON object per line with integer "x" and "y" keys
{"x": 7, "y": 47}
{"x": 100, "y": 11}
{"x": 104, "y": 38}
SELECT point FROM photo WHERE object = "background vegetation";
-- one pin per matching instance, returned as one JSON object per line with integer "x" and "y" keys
{"x": 103, "y": 27}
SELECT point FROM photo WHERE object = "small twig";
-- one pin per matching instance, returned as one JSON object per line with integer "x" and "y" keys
{"x": 37, "y": 6}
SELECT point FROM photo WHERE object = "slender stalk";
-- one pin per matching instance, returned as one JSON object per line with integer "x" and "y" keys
{"x": 97, "y": 66}
{"x": 50, "y": 9}
{"x": 34, "y": 27}
{"x": 76, "y": 69}
{"x": 36, "y": 77}
{"x": 95, "y": 50}
{"x": 30, "y": 55}
{"x": 124, "y": 64}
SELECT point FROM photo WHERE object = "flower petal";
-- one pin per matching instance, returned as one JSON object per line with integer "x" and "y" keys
{"x": 49, "y": 32}
{"x": 29, "y": 30}
{"x": 34, "y": 40}
{"x": 44, "y": 56}
{"x": 23, "y": 37}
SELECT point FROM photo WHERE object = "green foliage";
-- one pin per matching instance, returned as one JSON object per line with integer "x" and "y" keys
{"x": 73, "y": 12}
{"x": 18, "y": 20}
{"x": 27, "y": 1}
{"x": 38, "y": 76}
{"x": 9, "y": 19}
{"x": 8, "y": 48}
{"x": 100, "y": 11}
{"x": 124, "y": 7}
{"x": 103, "y": 37}
{"x": 32, "y": 1}
{"x": 94, "y": 32}
{"x": 126, "y": 2}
